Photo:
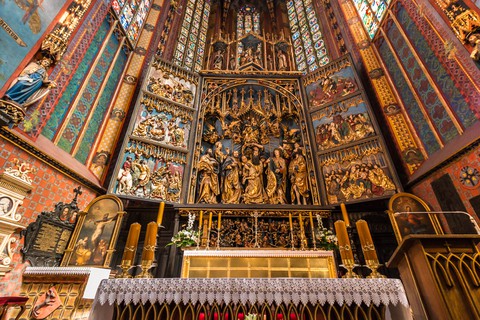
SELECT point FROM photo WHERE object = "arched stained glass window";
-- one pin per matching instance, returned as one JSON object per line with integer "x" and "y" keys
{"x": 191, "y": 42}
{"x": 132, "y": 15}
{"x": 371, "y": 13}
{"x": 248, "y": 19}
{"x": 307, "y": 38}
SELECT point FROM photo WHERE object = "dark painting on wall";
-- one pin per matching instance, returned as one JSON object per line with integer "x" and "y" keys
{"x": 449, "y": 200}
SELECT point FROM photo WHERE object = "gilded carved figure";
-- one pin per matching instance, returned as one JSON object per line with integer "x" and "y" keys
{"x": 253, "y": 179}
{"x": 208, "y": 169}
{"x": 231, "y": 186}
{"x": 253, "y": 145}
{"x": 277, "y": 178}
{"x": 299, "y": 178}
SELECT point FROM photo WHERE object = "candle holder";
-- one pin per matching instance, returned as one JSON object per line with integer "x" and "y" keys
{"x": 146, "y": 265}
{"x": 350, "y": 265}
{"x": 374, "y": 265}
{"x": 125, "y": 266}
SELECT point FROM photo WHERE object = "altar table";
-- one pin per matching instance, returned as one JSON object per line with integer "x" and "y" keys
{"x": 276, "y": 298}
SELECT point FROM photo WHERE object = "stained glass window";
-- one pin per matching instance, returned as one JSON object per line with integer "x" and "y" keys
{"x": 371, "y": 13}
{"x": 307, "y": 38}
{"x": 191, "y": 40}
{"x": 248, "y": 19}
{"x": 132, "y": 15}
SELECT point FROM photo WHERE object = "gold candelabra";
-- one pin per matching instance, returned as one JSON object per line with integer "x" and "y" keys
{"x": 125, "y": 266}
{"x": 146, "y": 265}
{"x": 374, "y": 265}
{"x": 349, "y": 264}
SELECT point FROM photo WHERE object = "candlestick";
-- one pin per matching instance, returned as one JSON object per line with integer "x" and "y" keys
{"x": 145, "y": 267}
{"x": 209, "y": 229}
{"x": 374, "y": 265}
{"x": 132, "y": 242}
{"x": 200, "y": 221}
{"x": 210, "y": 221}
{"x": 150, "y": 241}
{"x": 343, "y": 241}
{"x": 160, "y": 213}
{"x": 366, "y": 240}
{"x": 291, "y": 230}
{"x": 312, "y": 227}
{"x": 345, "y": 214}
{"x": 302, "y": 232}
{"x": 219, "y": 222}
{"x": 125, "y": 266}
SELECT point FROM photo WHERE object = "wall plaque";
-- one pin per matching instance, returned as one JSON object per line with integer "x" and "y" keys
{"x": 46, "y": 239}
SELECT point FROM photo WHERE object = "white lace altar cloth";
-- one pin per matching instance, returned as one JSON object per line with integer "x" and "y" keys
{"x": 276, "y": 290}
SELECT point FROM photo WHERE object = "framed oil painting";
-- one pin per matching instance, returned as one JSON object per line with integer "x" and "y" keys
{"x": 93, "y": 240}
{"x": 411, "y": 215}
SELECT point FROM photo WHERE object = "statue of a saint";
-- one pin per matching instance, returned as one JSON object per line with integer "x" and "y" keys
{"x": 298, "y": 176}
{"x": 208, "y": 169}
{"x": 276, "y": 178}
{"x": 231, "y": 187}
{"x": 218, "y": 60}
{"x": 32, "y": 84}
{"x": 251, "y": 132}
{"x": 282, "y": 61}
{"x": 253, "y": 179}
{"x": 232, "y": 63}
{"x": 474, "y": 40}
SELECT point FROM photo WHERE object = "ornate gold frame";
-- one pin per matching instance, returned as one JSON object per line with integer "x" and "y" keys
{"x": 413, "y": 199}
{"x": 69, "y": 252}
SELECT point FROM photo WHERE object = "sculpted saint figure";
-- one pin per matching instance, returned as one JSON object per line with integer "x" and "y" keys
{"x": 208, "y": 169}
{"x": 32, "y": 84}
{"x": 231, "y": 189}
{"x": 253, "y": 179}
{"x": 276, "y": 178}
{"x": 142, "y": 171}
{"x": 298, "y": 176}
{"x": 282, "y": 61}
{"x": 218, "y": 60}
{"x": 379, "y": 179}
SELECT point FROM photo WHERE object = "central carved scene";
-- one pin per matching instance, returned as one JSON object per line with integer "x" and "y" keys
{"x": 251, "y": 144}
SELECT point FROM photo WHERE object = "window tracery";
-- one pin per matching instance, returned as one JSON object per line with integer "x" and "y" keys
{"x": 371, "y": 13}
{"x": 307, "y": 38}
{"x": 191, "y": 42}
{"x": 132, "y": 15}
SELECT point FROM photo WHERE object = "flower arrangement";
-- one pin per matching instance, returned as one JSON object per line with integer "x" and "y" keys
{"x": 186, "y": 237}
{"x": 326, "y": 239}
{"x": 251, "y": 317}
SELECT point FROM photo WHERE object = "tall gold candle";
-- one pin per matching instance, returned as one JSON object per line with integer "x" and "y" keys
{"x": 210, "y": 221}
{"x": 300, "y": 221}
{"x": 366, "y": 240}
{"x": 345, "y": 214}
{"x": 132, "y": 242}
{"x": 200, "y": 221}
{"x": 343, "y": 241}
{"x": 290, "y": 221}
{"x": 150, "y": 241}
{"x": 311, "y": 221}
{"x": 160, "y": 213}
{"x": 219, "y": 221}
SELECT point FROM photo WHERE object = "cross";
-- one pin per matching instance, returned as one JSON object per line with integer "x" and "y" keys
{"x": 77, "y": 191}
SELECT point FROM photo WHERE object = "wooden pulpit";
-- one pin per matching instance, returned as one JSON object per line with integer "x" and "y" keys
{"x": 441, "y": 275}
